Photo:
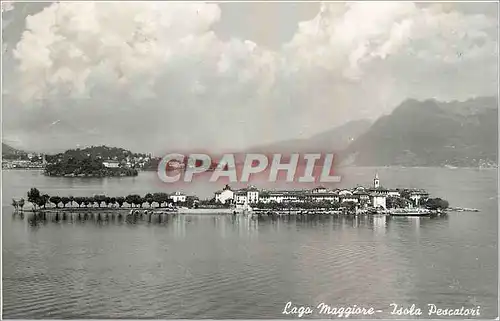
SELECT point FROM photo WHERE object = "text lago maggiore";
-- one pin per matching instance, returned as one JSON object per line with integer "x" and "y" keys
{"x": 394, "y": 309}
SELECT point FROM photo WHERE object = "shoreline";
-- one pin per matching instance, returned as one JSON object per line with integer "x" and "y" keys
{"x": 227, "y": 211}
{"x": 130, "y": 211}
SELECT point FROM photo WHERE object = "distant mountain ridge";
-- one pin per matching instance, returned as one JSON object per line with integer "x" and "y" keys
{"x": 8, "y": 150}
{"x": 416, "y": 133}
{"x": 431, "y": 133}
{"x": 331, "y": 141}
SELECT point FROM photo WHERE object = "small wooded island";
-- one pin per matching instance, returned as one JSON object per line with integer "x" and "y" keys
{"x": 97, "y": 161}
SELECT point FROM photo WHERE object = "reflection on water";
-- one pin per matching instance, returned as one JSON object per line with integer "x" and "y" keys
{"x": 240, "y": 222}
{"x": 233, "y": 266}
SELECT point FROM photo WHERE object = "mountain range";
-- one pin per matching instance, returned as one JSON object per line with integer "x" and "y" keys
{"x": 416, "y": 133}
{"x": 10, "y": 151}
{"x": 332, "y": 140}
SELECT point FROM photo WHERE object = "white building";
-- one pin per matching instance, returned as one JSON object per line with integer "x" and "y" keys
{"x": 378, "y": 200}
{"x": 224, "y": 195}
{"x": 418, "y": 196}
{"x": 252, "y": 195}
{"x": 178, "y": 197}
{"x": 378, "y": 194}
{"x": 246, "y": 195}
{"x": 374, "y": 196}
{"x": 111, "y": 163}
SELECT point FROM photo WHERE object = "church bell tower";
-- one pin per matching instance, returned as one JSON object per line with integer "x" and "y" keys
{"x": 376, "y": 181}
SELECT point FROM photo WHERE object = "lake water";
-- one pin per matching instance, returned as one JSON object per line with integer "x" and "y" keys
{"x": 234, "y": 267}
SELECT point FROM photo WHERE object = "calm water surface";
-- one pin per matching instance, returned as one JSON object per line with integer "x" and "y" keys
{"x": 234, "y": 267}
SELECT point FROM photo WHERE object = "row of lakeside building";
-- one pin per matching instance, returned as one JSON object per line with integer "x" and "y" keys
{"x": 374, "y": 196}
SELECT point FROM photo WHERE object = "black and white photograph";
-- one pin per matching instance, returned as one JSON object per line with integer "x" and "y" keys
{"x": 249, "y": 160}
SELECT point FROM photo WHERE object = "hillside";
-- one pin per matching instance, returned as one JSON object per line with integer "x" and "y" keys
{"x": 330, "y": 141}
{"x": 89, "y": 162}
{"x": 430, "y": 133}
{"x": 101, "y": 152}
{"x": 9, "y": 152}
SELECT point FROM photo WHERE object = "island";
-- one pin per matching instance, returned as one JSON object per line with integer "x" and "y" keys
{"x": 98, "y": 161}
{"x": 372, "y": 200}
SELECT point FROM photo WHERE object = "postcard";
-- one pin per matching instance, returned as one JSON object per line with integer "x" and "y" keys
{"x": 249, "y": 160}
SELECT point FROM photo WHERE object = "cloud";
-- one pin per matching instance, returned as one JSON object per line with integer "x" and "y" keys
{"x": 163, "y": 64}
{"x": 7, "y": 6}
{"x": 347, "y": 37}
{"x": 70, "y": 48}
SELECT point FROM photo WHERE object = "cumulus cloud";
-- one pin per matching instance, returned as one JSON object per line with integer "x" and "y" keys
{"x": 70, "y": 48}
{"x": 351, "y": 60}
{"x": 347, "y": 37}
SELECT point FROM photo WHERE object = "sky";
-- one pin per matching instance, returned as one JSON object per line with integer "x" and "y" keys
{"x": 159, "y": 76}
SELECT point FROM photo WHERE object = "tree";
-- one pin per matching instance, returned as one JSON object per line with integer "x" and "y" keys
{"x": 191, "y": 201}
{"x": 80, "y": 201}
{"x": 435, "y": 204}
{"x": 134, "y": 199}
{"x": 130, "y": 200}
{"x": 405, "y": 193}
{"x": 42, "y": 200}
{"x": 14, "y": 203}
{"x": 149, "y": 199}
{"x": 99, "y": 199}
{"x": 335, "y": 205}
{"x": 56, "y": 200}
{"x": 350, "y": 205}
{"x": 160, "y": 198}
{"x": 21, "y": 203}
{"x": 120, "y": 200}
{"x": 89, "y": 200}
{"x": 112, "y": 200}
{"x": 64, "y": 200}
{"x": 325, "y": 204}
{"x": 34, "y": 196}
{"x": 138, "y": 200}
{"x": 396, "y": 202}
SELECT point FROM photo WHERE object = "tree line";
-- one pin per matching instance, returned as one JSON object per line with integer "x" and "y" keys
{"x": 40, "y": 200}
{"x": 87, "y": 166}
{"x": 103, "y": 152}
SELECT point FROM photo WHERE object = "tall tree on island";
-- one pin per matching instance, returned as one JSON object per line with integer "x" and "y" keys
{"x": 42, "y": 200}
{"x": 34, "y": 196}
